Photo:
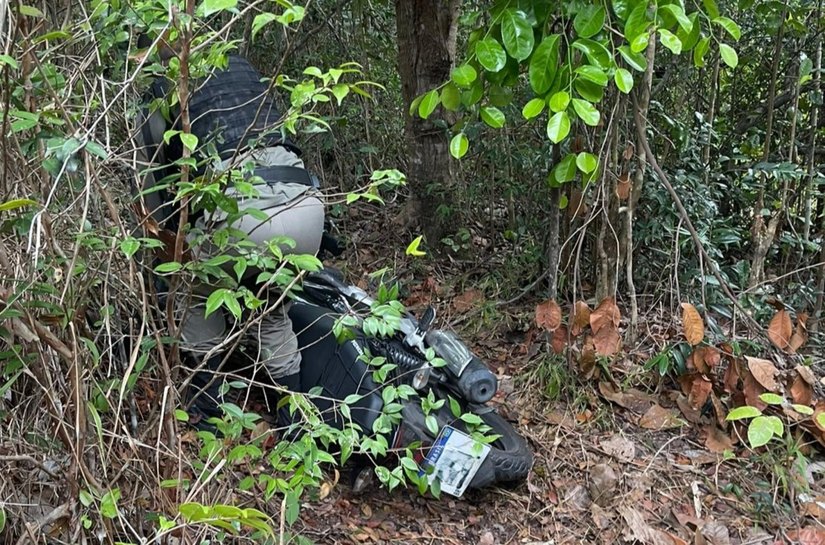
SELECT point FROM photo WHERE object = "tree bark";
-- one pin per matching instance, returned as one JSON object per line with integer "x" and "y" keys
{"x": 426, "y": 54}
{"x": 807, "y": 191}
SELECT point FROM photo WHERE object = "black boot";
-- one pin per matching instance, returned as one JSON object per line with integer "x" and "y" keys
{"x": 285, "y": 420}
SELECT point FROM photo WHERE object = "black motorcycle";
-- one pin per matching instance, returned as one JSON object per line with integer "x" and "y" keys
{"x": 341, "y": 369}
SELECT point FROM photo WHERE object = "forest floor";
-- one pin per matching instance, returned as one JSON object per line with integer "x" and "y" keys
{"x": 618, "y": 457}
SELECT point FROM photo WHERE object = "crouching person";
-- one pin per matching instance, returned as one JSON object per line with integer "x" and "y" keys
{"x": 233, "y": 115}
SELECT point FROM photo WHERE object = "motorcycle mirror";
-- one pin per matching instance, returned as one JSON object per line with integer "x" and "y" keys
{"x": 427, "y": 319}
{"x": 421, "y": 378}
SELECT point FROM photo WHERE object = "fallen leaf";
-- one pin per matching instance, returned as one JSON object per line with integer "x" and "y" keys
{"x": 487, "y": 538}
{"x": 712, "y": 356}
{"x": 623, "y": 187}
{"x": 548, "y": 315}
{"x": 587, "y": 361}
{"x": 693, "y": 324}
{"x": 811, "y": 535}
{"x": 699, "y": 391}
{"x": 732, "y": 376}
{"x": 813, "y": 506}
{"x": 468, "y": 300}
{"x": 696, "y": 360}
{"x": 580, "y": 318}
{"x": 619, "y": 448}
{"x": 800, "y": 334}
{"x": 764, "y": 372}
{"x": 780, "y": 330}
{"x": 326, "y": 488}
{"x": 607, "y": 341}
{"x": 716, "y": 532}
{"x": 717, "y": 440}
{"x": 638, "y": 529}
{"x": 577, "y": 498}
{"x": 559, "y": 340}
{"x": 607, "y": 313}
{"x": 806, "y": 373}
{"x": 801, "y": 392}
{"x": 603, "y": 483}
{"x": 752, "y": 389}
{"x": 601, "y": 517}
{"x": 659, "y": 418}
{"x": 632, "y": 399}
{"x": 692, "y": 414}
{"x": 719, "y": 409}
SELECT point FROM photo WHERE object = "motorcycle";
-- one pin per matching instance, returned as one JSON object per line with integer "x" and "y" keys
{"x": 341, "y": 369}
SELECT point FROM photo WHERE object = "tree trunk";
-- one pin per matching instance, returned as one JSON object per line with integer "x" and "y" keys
{"x": 807, "y": 192}
{"x": 426, "y": 53}
{"x": 608, "y": 243}
{"x": 553, "y": 239}
{"x": 711, "y": 117}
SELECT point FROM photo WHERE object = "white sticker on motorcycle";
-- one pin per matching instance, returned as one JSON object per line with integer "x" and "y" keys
{"x": 455, "y": 457}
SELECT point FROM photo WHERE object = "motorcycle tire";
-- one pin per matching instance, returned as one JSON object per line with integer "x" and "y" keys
{"x": 509, "y": 459}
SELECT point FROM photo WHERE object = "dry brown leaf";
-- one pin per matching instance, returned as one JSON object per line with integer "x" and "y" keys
{"x": 607, "y": 341}
{"x": 631, "y": 399}
{"x": 628, "y": 152}
{"x": 732, "y": 376}
{"x": 752, "y": 389}
{"x": 800, "y": 334}
{"x": 603, "y": 483}
{"x": 587, "y": 361}
{"x": 716, "y": 532}
{"x": 717, "y": 440}
{"x": 623, "y": 187}
{"x": 548, "y": 315}
{"x": 780, "y": 330}
{"x": 468, "y": 300}
{"x": 620, "y": 448}
{"x": 692, "y": 415}
{"x": 559, "y": 340}
{"x": 487, "y": 538}
{"x": 580, "y": 318}
{"x": 719, "y": 409}
{"x": 801, "y": 392}
{"x": 693, "y": 324}
{"x": 811, "y": 535}
{"x": 659, "y": 418}
{"x": 639, "y": 530}
{"x": 699, "y": 391}
{"x": 764, "y": 372}
{"x": 712, "y": 356}
{"x": 806, "y": 373}
{"x": 697, "y": 360}
{"x": 607, "y": 313}
{"x": 576, "y": 206}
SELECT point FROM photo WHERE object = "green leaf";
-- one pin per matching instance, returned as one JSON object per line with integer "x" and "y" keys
{"x": 492, "y": 117}
{"x": 9, "y": 61}
{"x": 170, "y": 267}
{"x": 108, "y": 504}
{"x": 189, "y": 140}
{"x": 214, "y": 301}
{"x": 490, "y": 54}
{"x": 564, "y": 171}
{"x": 232, "y": 304}
{"x": 428, "y": 104}
{"x": 16, "y": 203}
{"x": 96, "y": 149}
{"x": 745, "y": 411}
{"x": 564, "y": 200}
{"x": 558, "y": 127}
{"x": 533, "y": 108}
{"x": 593, "y": 74}
{"x": 679, "y": 14}
{"x": 559, "y": 101}
{"x": 181, "y": 415}
{"x": 464, "y": 75}
{"x": 543, "y": 64}
{"x": 293, "y": 507}
{"x": 208, "y": 7}
{"x": 86, "y": 499}
{"x": 772, "y": 399}
{"x": 260, "y": 21}
{"x": 459, "y": 145}
{"x": 729, "y": 55}
{"x": 820, "y": 419}
{"x": 639, "y": 43}
{"x": 587, "y": 162}
{"x": 689, "y": 39}
{"x": 2, "y": 520}
{"x": 23, "y": 120}
{"x": 711, "y": 8}
{"x": 595, "y": 52}
{"x": 589, "y": 21}
{"x": 517, "y": 34}
{"x": 775, "y": 423}
{"x": 451, "y": 97}
{"x": 340, "y": 91}
{"x": 762, "y": 429}
{"x": 624, "y": 80}
{"x": 670, "y": 41}
{"x": 586, "y": 112}
{"x": 802, "y": 409}
{"x": 413, "y": 250}
{"x": 729, "y": 26}
{"x": 700, "y": 51}
{"x": 637, "y": 22}
{"x": 636, "y": 61}
{"x": 432, "y": 424}
{"x": 31, "y": 11}
{"x": 129, "y": 246}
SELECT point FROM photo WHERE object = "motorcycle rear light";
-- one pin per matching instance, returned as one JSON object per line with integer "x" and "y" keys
{"x": 421, "y": 378}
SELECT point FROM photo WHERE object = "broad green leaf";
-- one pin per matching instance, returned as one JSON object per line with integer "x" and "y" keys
{"x": 689, "y": 39}
{"x": 533, "y": 108}
{"x": 459, "y": 145}
{"x": 558, "y": 127}
{"x": 189, "y": 140}
{"x": 340, "y": 91}
{"x": 772, "y": 399}
{"x": 517, "y": 34}
{"x": 559, "y": 101}
{"x": 2, "y": 520}
{"x": 492, "y": 117}
{"x": 729, "y": 26}
{"x": 108, "y": 504}
{"x": 16, "y": 203}
{"x": 820, "y": 419}
{"x": 464, "y": 75}
{"x": 129, "y": 246}
{"x": 96, "y": 149}
{"x": 260, "y": 21}
{"x": 31, "y": 11}
{"x": 428, "y": 104}
{"x": 451, "y": 97}
{"x": 565, "y": 170}
{"x": 802, "y": 409}
{"x": 624, "y": 80}
{"x": 729, "y": 55}
{"x": 589, "y": 90}
{"x": 589, "y": 21}
{"x": 670, "y": 41}
{"x": 621, "y": 8}
{"x": 181, "y": 415}
{"x": 490, "y": 54}
{"x": 595, "y": 52}
{"x": 679, "y": 14}
{"x": 586, "y": 112}
{"x": 745, "y": 411}
{"x": 208, "y": 7}
{"x": 232, "y": 304}
{"x": 23, "y": 120}
{"x": 472, "y": 95}
{"x": 86, "y": 498}
{"x": 499, "y": 95}
{"x": 637, "y": 22}
{"x": 700, "y": 51}
{"x": 564, "y": 201}
{"x": 762, "y": 429}
{"x": 587, "y": 162}
{"x": 413, "y": 250}
{"x": 5, "y": 59}
{"x": 293, "y": 507}
{"x": 711, "y": 8}
{"x": 170, "y": 267}
{"x": 591, "y": 73}
{"x": 775, "y": 423}
{"x": 639, "y": 43}
{"x": 214, "y": 301}
{"x": 543, "y": 64}
{"x": 636, "y": 61}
